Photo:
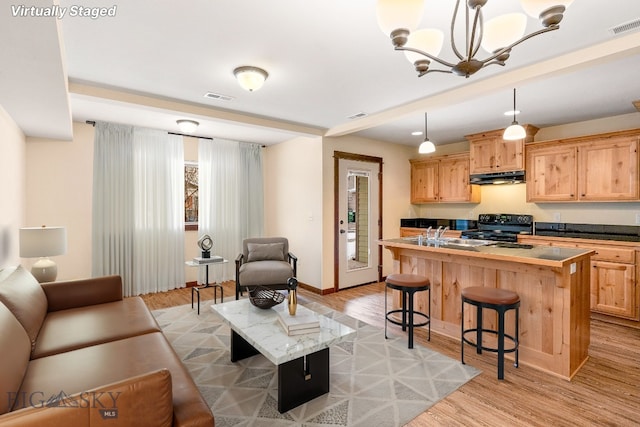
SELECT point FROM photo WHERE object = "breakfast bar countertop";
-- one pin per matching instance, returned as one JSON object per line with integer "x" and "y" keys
{"x": 528, "y": 254}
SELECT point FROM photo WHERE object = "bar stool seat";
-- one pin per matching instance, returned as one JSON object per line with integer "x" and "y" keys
{"x": 408, "y": 284}
{"x": 500, "y": 300}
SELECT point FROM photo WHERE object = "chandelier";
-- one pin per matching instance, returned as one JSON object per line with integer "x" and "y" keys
{"x": 399, "y": 18}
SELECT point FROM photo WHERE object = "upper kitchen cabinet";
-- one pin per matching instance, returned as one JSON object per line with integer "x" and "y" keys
{"x": 586, "y": 169}
{"x": 442, "y": 179}
{"x": 490, "y": 153}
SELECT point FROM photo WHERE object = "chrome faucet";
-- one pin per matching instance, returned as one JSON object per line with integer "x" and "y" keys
{"x": 440, "y": 232}
{"x": 428, "y": 233}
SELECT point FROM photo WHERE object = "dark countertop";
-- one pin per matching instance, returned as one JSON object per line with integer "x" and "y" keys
{"x": 528, "y": 254}
{"x": 622, "y": 233}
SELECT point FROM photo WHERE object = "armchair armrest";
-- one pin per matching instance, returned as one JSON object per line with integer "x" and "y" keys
{"x": 238, "y": 264}
{"x": 145, "y": 397}
{"x": 79, "y": 293}
{"x": 294, "y": 262}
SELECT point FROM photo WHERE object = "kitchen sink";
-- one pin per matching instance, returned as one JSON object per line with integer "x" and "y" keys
{"x": 469, "y": 243}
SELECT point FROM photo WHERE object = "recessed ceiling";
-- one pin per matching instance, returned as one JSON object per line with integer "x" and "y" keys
{"x": 327, "y": 60}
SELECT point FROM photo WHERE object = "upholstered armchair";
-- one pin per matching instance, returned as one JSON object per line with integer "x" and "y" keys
{"x": 264, "y": 261}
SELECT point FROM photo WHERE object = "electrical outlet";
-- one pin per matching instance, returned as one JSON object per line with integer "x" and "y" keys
{"x": 557, "y": 217}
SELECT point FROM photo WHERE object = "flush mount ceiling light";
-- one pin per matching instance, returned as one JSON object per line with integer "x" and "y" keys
{"x": 250, "y": 78}
{"x": 427, "y": 146}
{"x": 515, "y": 131}
{"x": 187, "y": 126}
{"x": 399, "y": 18}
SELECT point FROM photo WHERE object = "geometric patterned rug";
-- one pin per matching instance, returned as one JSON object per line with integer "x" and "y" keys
{"x": 373, "y": 381}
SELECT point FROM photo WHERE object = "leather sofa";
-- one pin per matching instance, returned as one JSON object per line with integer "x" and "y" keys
{"x": 76, "y": 353}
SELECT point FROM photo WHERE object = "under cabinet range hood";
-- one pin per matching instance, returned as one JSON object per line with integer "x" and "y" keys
{"x": 512, "y": 177}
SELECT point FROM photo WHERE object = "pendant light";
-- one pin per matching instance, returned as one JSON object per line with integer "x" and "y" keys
{"x": 515, "y": 131}
{"x": 426, "y": 146}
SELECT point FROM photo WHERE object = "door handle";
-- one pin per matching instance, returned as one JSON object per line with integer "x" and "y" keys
{"x": 342, "y": 231}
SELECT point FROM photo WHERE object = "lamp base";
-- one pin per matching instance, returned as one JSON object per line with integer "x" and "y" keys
{"x": 45, "y": 270}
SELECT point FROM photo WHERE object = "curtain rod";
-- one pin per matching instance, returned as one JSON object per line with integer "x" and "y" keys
{"x": 93, "y": 123}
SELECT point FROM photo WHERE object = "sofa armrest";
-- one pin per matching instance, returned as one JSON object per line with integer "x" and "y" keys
{"x": 293, "y": 260}
{"x": 80, "y": 293}
{"x": 125, "y": 403}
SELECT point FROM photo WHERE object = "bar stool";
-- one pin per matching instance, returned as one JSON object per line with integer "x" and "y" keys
{"x": 408, "y": 284}
{"x": 500, "y": 300}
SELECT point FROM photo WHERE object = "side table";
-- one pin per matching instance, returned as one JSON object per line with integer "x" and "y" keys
{"x": 207, "y": 285}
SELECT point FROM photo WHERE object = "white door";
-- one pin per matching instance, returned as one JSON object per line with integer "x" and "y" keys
{"x": 358, "y": 222}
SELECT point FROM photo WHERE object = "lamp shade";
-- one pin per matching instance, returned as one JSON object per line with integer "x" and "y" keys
{"x": 42, "y": 241}
{"x": 427, "y": 40}
{"x": 514, "y": 132}
{"x": 503, "y": 30}
{"x": 426, "y": 147}
{"x": 250, "y": 78}
{"x": 395, "y": 14}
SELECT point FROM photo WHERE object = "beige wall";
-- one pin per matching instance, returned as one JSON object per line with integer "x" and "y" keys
{"x": 59, "y": 190}
{"x": 12, "y": 175}
{"x": 512, "y": 198}
{"x": 293, "y": 202}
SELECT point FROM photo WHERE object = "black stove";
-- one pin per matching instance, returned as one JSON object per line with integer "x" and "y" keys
{"x": 500, "y": 227}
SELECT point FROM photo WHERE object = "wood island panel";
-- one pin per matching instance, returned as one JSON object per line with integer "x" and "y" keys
{"x": 554, "y": 312}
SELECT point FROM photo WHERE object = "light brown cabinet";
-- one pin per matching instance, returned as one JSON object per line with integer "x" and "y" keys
{"x": 613, "y": 284}
{"x": 442, "y": 179}
{"x": 488, "y": 152}
{"x": 587, "y": 169}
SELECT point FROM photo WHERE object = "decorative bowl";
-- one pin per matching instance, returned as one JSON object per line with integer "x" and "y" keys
{"x": 263, "y": 297}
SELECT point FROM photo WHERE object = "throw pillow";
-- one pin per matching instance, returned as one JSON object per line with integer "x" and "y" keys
{"x": 265, "y": 251}
{"x": 24, "y": 297}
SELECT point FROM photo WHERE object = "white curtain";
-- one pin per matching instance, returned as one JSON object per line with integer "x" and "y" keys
{"x": 138, "y": 208}
{"x": 231, "y": 198}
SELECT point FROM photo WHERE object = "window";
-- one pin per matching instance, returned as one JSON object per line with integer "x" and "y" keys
{"x": 191, "y": 195}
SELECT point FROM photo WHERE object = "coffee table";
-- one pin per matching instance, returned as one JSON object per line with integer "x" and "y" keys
{"x": 302, "y": 360}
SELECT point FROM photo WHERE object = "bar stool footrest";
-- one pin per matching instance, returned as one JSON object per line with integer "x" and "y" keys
{"x": 426, "y": 318}
{"x": 492, "y": 349}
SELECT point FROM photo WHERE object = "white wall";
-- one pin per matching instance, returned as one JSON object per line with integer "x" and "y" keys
{"x": 293, "y": 202}
{"x": 12, "y": 175}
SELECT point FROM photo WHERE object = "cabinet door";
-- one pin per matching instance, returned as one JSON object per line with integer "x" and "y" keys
{"x": 482, "y": 156}
{"x": 551, "y": 174}
{"x": 509, "y": 155}
{"x": 613, "y": 289}
{"x": 608, "y": 170}
{"x": 424, "y": 181}
{"x": 454, "y": 181}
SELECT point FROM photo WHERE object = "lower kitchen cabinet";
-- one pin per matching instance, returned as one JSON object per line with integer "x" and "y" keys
{"x": 614, "y": 274}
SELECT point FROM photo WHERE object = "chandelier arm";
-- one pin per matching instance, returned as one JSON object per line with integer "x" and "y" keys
{"x": 434, "y": 71}
{"x": 428, "y": 55}
{"x": 453, "y": 27}
{"x": 523, "y": 39}
{"x": 473, "y": 49}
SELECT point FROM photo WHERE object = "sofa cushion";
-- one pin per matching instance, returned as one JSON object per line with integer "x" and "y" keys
{"x": 23, "y": 295}
{"x": 15, "y": 348}
{"x": 265, "y": 273}
{"x": 90, "y": 367}
{"x": 265, "y": 251}
{"x": 95, "y": 324}
{"x": 145, "y": 398}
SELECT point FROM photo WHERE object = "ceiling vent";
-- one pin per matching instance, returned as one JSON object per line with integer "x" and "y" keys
{"x": 626, "y": 27}
{"x": 218, "y": 97}
{"x": 357, "y": 116}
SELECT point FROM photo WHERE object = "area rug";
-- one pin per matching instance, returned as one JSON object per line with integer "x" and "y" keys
{"x": 373, "y": 381}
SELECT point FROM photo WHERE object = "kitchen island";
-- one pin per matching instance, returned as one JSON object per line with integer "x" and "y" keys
{"x": 553, "y": 284}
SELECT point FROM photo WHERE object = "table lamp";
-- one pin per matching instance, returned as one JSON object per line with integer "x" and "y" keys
{"x": 43, "y": 242}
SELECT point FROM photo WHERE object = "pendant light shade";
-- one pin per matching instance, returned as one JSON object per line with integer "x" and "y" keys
{"x": 515, "y": 131}
{"x": 427, "y": 146}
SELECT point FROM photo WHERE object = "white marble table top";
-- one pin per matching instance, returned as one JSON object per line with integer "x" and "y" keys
{"x": 261, "y": 329}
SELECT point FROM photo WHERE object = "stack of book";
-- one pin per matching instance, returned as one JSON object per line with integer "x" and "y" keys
{"x": 299, "y": 324}
{"x": 214, "y": 258}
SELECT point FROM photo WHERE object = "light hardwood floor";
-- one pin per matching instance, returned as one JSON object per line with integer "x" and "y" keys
{"x": 605, "y": 392}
